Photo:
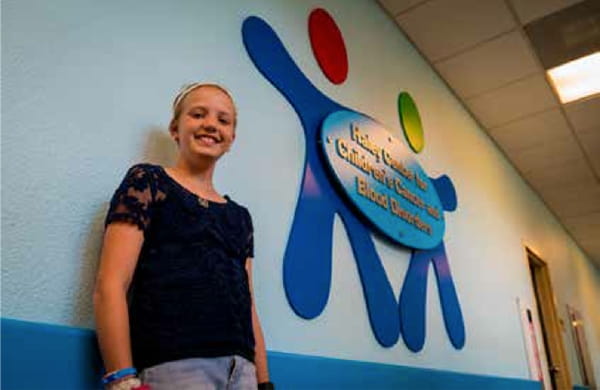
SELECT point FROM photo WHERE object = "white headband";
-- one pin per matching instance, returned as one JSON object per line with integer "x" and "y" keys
{"x": 186, "y": 89}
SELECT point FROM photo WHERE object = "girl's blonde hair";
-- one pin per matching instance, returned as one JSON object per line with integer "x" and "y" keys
{"x": 186, "y": 89}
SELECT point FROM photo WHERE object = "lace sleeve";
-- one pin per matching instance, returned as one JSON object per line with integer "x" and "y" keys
{"x": 133, "y": 199}
{"x": 249, "y": 249}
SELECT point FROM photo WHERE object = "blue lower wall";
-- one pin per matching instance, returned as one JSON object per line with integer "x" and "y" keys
{"x": 41, "y": 356}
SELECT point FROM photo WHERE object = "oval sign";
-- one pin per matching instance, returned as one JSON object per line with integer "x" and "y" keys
{"x": 379, "y": 176}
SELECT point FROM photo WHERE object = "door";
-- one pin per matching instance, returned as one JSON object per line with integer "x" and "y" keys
{"x": 550, "y": 324}
{"x": 583, "y": 354}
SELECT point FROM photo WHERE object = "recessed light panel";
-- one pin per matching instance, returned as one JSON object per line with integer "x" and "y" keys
{"x": 577, "y": 79}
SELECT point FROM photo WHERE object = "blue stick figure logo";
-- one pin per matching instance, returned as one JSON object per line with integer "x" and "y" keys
{"x": 327, "y": 189}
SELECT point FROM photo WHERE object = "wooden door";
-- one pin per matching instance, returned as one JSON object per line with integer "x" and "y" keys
{"x": 550, "y": 323}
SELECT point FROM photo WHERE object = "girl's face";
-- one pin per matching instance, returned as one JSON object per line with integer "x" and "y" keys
{"x": 206, "y": 123}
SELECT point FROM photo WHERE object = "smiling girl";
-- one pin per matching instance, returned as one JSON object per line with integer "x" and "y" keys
{"x": 173, "y": 295}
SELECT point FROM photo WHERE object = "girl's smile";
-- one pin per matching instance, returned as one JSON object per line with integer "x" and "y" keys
{"x": 207, "y": 139}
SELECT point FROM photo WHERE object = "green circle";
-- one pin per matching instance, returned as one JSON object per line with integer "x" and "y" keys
{"x": 411, "y": 122}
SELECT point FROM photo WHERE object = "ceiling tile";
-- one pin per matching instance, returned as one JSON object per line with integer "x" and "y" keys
{"x": 513, "y": 101}
{"x": 586, "y": 231}
{"x": 566, "y": 35}
{"x": 584, "y": 226}
{"x": 490, "y": 65}
{"x": 441, "y": 28}
{"x": 551, "y": 153}
{"x": 571, "y": 173}
{"x": 591, "y": 246}
{"x": 529, "y": 10}
{"x": 590, "y": 140}
{"x": 394, "y": 7}
{"x": 531, "y": 131}
{"x": 573, "y": 201}
{"x": 584, "y": 114}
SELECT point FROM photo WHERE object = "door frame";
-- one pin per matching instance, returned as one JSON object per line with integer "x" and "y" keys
{"x": 550, "y": 323}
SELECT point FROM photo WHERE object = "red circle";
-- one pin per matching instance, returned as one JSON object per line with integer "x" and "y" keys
{"x": 328, "y": 45}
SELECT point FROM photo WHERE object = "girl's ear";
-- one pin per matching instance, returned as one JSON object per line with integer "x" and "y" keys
{"x": 230, "y": 144}
{"x": 173, "y": 131}
{"x": 232, "y": 139}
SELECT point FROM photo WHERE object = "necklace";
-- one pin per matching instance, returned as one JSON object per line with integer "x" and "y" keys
{"x": 203, "y": 202}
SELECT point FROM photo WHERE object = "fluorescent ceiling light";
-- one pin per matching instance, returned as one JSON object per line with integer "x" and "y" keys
{"x": 578, "y": 78}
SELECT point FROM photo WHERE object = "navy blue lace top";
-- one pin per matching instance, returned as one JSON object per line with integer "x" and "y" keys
{"x": 189, "y": 296}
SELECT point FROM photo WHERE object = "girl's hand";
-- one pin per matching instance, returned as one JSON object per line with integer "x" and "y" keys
{"x": 131, "y": 383}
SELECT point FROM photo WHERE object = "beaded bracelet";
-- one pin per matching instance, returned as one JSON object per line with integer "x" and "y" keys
{"x": 118, "y": 374}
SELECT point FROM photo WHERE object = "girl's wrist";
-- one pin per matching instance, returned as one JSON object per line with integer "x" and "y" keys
{"x": 122, "y": 379}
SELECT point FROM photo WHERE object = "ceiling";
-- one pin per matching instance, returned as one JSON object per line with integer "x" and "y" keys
{"x": 482, "y": 50}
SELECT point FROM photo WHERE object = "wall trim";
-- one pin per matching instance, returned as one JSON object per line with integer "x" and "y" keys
{"x": 45, "y": 356}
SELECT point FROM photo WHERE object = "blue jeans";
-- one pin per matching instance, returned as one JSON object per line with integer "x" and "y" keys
{"x": 220, "y": 373}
